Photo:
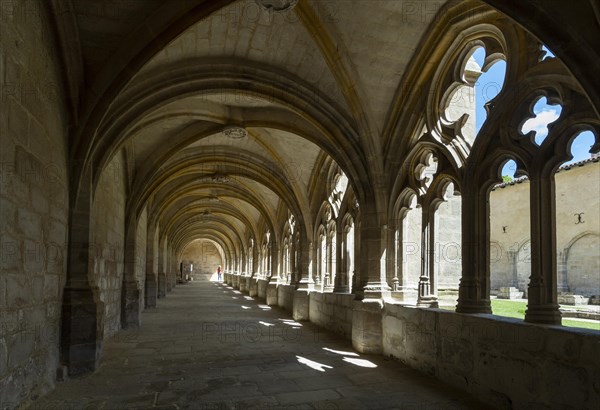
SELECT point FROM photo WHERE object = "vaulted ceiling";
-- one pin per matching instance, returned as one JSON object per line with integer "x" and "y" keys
{"x": 231, "y": 107}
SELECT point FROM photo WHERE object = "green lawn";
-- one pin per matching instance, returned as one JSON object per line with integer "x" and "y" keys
{"x": 516, "y": 310}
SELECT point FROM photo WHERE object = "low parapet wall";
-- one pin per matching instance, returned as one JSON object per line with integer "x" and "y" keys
{"x": 332, "y": 311}
{"x": 285, "y": 297}
{"x": 504, "y": 362}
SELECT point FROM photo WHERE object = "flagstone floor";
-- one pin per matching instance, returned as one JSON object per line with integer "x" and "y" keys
{"x": 207, "y": 346}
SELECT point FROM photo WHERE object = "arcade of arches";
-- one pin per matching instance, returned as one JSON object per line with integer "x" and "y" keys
{"x": 324, "y": 153}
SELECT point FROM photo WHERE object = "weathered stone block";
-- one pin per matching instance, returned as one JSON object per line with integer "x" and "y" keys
{"x": 20, "y": 346}
{"x": 262, "y": 288}
{"x": 571, "y": 299}
{"x": 253, "y": 288}
{"x": 367, "y": 332}
{"x": 509, "y": 293}
{"x": 34, "y": 257}
{"x": 271, "y": 294}
{"x": 162, "y": 285}
{"x": 151, "y": 291}
{"x": 18, "y": 289}
{"x": 243, "y": 284}
{"x": 301, "y": 305}
{"x": 3, "y": 357}
{"x": 8, "y": 212}
{"x": 130, "y": 306}
{"x": 11, "y": 253}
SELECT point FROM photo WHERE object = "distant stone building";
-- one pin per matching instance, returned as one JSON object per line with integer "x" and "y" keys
{"x": 577, "y": 231}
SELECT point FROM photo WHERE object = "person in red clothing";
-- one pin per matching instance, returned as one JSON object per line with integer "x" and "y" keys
{"x": 219, "y": 273}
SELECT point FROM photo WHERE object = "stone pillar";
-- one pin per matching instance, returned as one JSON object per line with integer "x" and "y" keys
{"x": 162, "y": 284}
{"x": 372, "y": 283}
{"x": 305, "y": 266}
{"x": 305, "y": 283}
{"x": 131, "y": 308}
{"x": 82, "y": 319}
{"x": 427, "y": 296}
{"x": 542, "y": 306}
{"x": 151, "y": 290}
{"x": 168, "y": 282}
{"x": 474, "y": 288}
{"x": 367, "y": 334}
{"x": 82, "y": 329}
{"x": 131, "y": 304}
{"x": 330, "y": 248}
{"x": 271, "y": 296}
{"x": 300, "y": 306}
{"x": 243, "y": 282}
{"x": 341, "y": 278}
{"x": 151, "y": 285}
{"x": 253, "y": 290}
{"x": 367, "y": 330}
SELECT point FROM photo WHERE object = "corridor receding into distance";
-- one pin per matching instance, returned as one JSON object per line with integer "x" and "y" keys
{"x": 235, "y": 352}
{"x": 289, "y": 204}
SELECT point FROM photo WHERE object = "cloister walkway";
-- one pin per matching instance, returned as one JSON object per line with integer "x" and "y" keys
{"x": 207, "y": 346}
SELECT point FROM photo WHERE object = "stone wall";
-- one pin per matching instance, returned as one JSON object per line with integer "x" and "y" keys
{"x": 332, "y": 311}
{"x": 504, "y": 362}
{"x": 262, "y": 288}
{"x": 411, "y": 250}
{"x": 285, "y": 297}
{"x": 33, "y": 203}
{"x": 140, "y": 256}
{"x": 204, "y": 256}
{"x": 448, "y": 244}
{"x": 578, "y": 244}
{"x": 108, "y": 235}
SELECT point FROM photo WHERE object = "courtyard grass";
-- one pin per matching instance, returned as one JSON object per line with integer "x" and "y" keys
{"x": 507, "y": 308}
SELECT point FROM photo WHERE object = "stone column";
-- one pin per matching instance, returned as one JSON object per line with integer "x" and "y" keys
{"x": 271, "y": 297}
{"x": 427, "y": 297}
{"x": 300, "y": 308}
{"x": 171, "y": 269}
{"x": 162, "y": 284}
{"x": 330, "y": 248}
{"x": 513, "y": 256}
{"x": 162, "y": 269}
{"x": 474, "y": 288}
{"x": 367, "y": 331}
{"x": 151, "y": 290}
{"x": 131, "y": 306}
{"x": 151, "y": 286}
{"x": 542, "y": 306}
{"x": 341, "y": 278}
{"x": 82, "y": 328}
{"x": 305, "y": 263}
{"x": 245, "y": 271}
{"x": 372, "y": 282}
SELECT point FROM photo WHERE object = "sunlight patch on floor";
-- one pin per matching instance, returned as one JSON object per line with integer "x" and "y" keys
{"x": 312, "y": 364}
{"x": 341, "y": 352}
{"x": 360, "y": 362}
{"x": 290, "y": 322}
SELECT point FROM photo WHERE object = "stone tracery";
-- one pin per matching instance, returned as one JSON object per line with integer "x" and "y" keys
{"x": 359, "y": 192}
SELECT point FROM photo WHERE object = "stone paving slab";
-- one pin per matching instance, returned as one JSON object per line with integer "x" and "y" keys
{"x": 205, "y": 347}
